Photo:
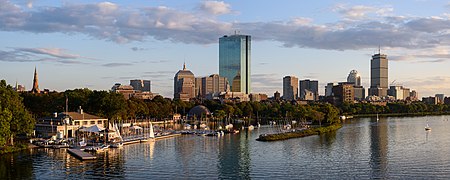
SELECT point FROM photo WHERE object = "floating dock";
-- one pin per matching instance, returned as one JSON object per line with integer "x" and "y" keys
{"x": 81, "y": 154}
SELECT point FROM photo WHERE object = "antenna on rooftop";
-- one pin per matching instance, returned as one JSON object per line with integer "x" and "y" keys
{"x": 379, "y": 49}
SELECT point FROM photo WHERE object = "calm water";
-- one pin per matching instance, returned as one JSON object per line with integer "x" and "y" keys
{"x": 392, "y": 148}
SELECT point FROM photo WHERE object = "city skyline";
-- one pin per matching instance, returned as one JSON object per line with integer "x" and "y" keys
{"x": 93, "y": 44}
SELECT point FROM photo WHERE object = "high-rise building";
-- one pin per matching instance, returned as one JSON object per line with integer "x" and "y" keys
{"x": 35, "y": 88}
{"x": 329, "y": 89}
{"x": 290, "y": 88}
{"x": 440, "y": 98}
{"x": 211, "y": 84}
{"x": 378, "y": 75}
{"x": 141, "y": 85}
{"x": 309, "y": 85}
{"x": 354, "y": 77}
{"x": 234, "y": 61}
{"x": 184, "y": 85}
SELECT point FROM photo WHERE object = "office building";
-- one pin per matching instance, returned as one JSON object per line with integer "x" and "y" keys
{"x": 329, "y": 89}
{"x": 184, "y": 84}
{"x": 211, "y": 84}
{"x": 290, "y": 88}
{"x": 141, "y": 85}
{"x": 378, "y": 75}
{"x": 312, "y": 86}
{"x": 235, "y": 60}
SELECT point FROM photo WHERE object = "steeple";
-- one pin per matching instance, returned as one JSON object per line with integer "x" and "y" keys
{"x": 184, "y": 66}
{"x": 35, "y": 83}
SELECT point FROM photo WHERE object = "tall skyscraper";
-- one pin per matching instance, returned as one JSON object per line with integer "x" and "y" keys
{"x": 290, "y": 88}
{"x": 141, "y": 85}
{"x": 378, "y": 75}
{"x": 234, "y": 61}
{"x": 35, "y": 88}
{"x": 184, "y": 85}
{"x": 307, "y": 86}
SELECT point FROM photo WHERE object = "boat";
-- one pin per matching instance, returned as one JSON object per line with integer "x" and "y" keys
{"x": 377, "y": 117}
{"x": 251, "y": 127}
{"x": 116, "y": 145}
{"x": 427, "y": 128}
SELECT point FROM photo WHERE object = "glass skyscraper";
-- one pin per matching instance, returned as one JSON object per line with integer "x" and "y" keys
{"x": 234, "y": 61}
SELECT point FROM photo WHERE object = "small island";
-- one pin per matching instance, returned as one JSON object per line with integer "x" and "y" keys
{"x": 296, "y": 133}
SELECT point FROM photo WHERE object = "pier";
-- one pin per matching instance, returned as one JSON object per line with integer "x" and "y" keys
{"x": 81, "y": 154}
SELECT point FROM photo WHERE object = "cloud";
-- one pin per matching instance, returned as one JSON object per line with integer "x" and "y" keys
{"x": 429, "y": 86}
{"x": 39, "y": 55}
{"x": 55, "y": 52}
{"x": 266, "y": 83}
{"x": 362, "y": 27}
{"x": 138, "y": 49}
{"x": 215, "y": 7}
{"x": 361, "y": 12}
{"x": 116, "y": 64}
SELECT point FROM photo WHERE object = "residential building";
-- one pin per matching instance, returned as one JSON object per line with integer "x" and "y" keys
{"x": 378, "y": 75}
{"x": 184, "y": 84}
{"x": 235, "y": 61}
{"x": 290, "y": 88}
{"x": 211, "y": 84}
{"x": 344, "y": 92}
{"x": 311, "y": 86}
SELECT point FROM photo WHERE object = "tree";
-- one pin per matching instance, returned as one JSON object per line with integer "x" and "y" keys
{"x": 14, "y": 118}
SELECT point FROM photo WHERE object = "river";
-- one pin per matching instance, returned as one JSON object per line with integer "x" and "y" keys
{"x": 392, "y": 148}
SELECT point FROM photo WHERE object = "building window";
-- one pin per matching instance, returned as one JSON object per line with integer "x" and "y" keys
{"x": 99, "y": 122}
{"x": 77, "y": 123}
{"x": 84, "y": 122}
{"x": 92, "y": 122}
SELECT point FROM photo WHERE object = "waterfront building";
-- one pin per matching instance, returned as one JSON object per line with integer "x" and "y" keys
{"x": 56, "y": 124}
{"x": 344, "y": 92}
{"x": 141, "y": 85}
{"x": 35, "y": 88}
{"x": 211, "y": 84}
{"x": 184, "y": 84}
{"x": 378, "y": 75}
{"x": 307, "y": 86}
{"x": 414, "y": 96}
{"x": 290, "y": 88}
{"x": 235, "y": 61}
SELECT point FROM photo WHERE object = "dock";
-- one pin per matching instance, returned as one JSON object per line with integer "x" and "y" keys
{"x": 81, "y": 154}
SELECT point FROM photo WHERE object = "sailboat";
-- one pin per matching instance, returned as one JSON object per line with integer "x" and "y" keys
{"x": 152, "y": 134}
{"x": 427, "y": 128}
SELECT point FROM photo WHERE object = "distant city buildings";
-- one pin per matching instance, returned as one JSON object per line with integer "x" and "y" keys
{"x": 359, "y": 91}
{"x": 378, "y": 75}
{"x": 235, "y": 61}
{"x": 344, "y": 92}
{"x": 329, "y": 89}
{"x": 290, "y": 88}
{"x": 440, "y": 98}
{"x": 309, "y": 90}
{"x": 210, "y": 85}
{"x": 276, "y": 96}
{"x": 184, "y": 84}
{"x": 141, "y": 85}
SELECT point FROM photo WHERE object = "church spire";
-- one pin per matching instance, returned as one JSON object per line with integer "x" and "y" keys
{"x": 35, "y": 83}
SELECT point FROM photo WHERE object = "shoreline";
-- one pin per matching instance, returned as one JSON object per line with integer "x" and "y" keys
{"x": 299, "y": 134}
{"x": 401, "y": 114}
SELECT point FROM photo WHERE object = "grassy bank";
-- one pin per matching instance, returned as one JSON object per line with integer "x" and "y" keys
{"x": 11, "y": 149}
{"x": 298, "y": 134}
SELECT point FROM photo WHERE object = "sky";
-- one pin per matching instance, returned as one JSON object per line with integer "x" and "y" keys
{"x": 95, "y": 44}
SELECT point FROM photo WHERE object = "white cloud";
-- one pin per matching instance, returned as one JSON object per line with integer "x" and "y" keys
{"x": 361, "y": 12}
{"x": 215, "y": 7}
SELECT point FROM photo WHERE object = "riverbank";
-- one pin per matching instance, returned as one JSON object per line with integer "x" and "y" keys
{"x": 298, "y": 134}
{"x": 11, "y": 149}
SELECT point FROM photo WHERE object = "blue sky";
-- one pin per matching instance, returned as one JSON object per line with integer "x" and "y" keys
{"x": 94, "y": 44}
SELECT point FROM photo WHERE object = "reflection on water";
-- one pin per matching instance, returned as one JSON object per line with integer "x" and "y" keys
{"x": 391, "y": 148}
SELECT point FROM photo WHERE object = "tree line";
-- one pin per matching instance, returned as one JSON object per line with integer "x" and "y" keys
{"x": 394, "y": 108}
